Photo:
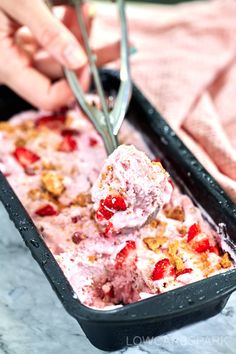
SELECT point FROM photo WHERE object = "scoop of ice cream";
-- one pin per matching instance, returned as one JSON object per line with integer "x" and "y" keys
{"x": 129, "y": 190}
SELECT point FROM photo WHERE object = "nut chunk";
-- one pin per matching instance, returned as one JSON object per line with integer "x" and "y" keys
{"x": 130, "y": 189}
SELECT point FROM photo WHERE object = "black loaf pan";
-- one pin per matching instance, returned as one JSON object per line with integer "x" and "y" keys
{"x": 114, "y": 329}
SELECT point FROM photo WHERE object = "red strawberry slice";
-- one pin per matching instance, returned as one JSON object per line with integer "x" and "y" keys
{"x": 214, "y": 249}
{"x": 103, "y": 212}
{"x": 46, "y": 210}
{"x": 162, "y": 269}
{"x": 70, "y": 131}
{"x": 51, "y": 121}
{"x": 109, "y": 230}
{"x": 68, "y": 144}
{"x": 184, "y": 271}
{"x": 202, "y": 244}
{"x": 128, "y": 252}
{"x": 193, "y": 231}
{"x": 156, "y": 160}
{"x": 93, "y": 142}
{"x": 25, "y": 157}
{"x": 116, "y": 202}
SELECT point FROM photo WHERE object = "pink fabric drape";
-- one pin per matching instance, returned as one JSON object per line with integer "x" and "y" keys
{"x": 186, "y": 66}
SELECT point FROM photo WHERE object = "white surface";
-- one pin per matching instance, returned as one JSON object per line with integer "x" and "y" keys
{"x": 32, "y": 320}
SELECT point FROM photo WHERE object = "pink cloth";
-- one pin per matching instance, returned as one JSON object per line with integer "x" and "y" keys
{"x": 186, "y": 66}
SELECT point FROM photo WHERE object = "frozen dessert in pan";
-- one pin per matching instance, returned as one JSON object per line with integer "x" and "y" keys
{"x": 118, "y": 227}
{"x": 130, "y": 189}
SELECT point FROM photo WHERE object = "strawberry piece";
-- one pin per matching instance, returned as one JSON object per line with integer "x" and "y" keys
{"x": 103, "y": 211}
{"x": 201, "y": 245}
{"x": 109, "y": 230}
{"x": 111, "y": 292}
{"x": 70, "y": 131}
{"x": 51, "y": 121}
{"x": 25, "y": 157}
{"x": 156, "y": 160}
{"x": 77, "y": 237}
{"x": 75, "y": 219}
{"x": 127, "y": 252}
{"x": 46, "y": 210}
{"x": 214, "y": 249}
{"x": 193, "y": 231}
{"x": 93, "y": 142}
{"x": 68, "y": 144}
{"x": 162, "y": 268}
{"x": 116, "y": 202}
{"x": 184, "y": 271}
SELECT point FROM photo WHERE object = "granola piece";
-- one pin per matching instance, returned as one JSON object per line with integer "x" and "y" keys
{"x": 34, "y": 194}
{"x": 82, "y": 200}
{"x": 182, "y": 230}
{"x": 176, "y": 213}
{"x": 53, "y": 183}
{"x": 176, "y": 260}
{"x": 225, "y": 262}
{"x": 154, "y": 243}
{"x": 20, "y": 142}
{"x": 6, "y": 127}
{"x": 154, "y": 223}
{"x": 92, "y": 258}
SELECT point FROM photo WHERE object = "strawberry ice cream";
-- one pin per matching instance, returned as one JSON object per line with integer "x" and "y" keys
{"x": 130, "y": 189}
{"x": 122, "y": 252}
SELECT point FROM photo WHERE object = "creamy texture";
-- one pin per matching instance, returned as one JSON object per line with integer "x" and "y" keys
{"x": 52, "y": 164}
{"x": 137, "y": 188}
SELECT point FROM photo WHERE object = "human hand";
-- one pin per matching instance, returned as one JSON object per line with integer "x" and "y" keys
{"x": 35, "y": 45}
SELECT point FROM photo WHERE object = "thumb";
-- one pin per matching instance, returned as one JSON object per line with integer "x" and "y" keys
{"x": 48, "y": 30}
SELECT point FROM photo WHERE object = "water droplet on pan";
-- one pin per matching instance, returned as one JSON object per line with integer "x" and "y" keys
{"x": 202, "y": 297}
{"x": 164, "y": 141}
{"x": 34, "y": 243}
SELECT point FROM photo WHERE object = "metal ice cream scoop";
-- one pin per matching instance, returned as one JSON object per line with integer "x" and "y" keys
{"x": 106, "y": 122}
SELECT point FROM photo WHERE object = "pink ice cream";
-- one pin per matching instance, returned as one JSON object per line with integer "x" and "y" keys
{"x": 55, "y": 162}
{"x": 130, "y": 189}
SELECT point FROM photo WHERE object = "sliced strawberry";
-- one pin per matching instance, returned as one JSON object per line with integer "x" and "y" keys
{"x": 25, "y": 157}
{"x": 127, "y": 252}
{"x": 184, "y": 271}
{"x": 162, "y": 269}
{"x": 93, "y": 142}
{"x": 51, "y": 121}
{"x": 103, "y": 212}
{"x": 201, "y": 243}
{"x": 156, "y": 160}
{"x": 193, "y": 231}
{"x": 68, "y": 144}
{"x": 109, "y": 230}
{"x": 70, "y": 131}
{"x": 214, "y": 249}
{"x": 116, "y": 202}
{"x": 46, "y": 210}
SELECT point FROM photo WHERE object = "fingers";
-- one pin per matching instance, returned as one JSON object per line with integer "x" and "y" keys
{"x": 49, "y": 67}
{"x": 39, "y": 91}
{"x": 48, "y": 31}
